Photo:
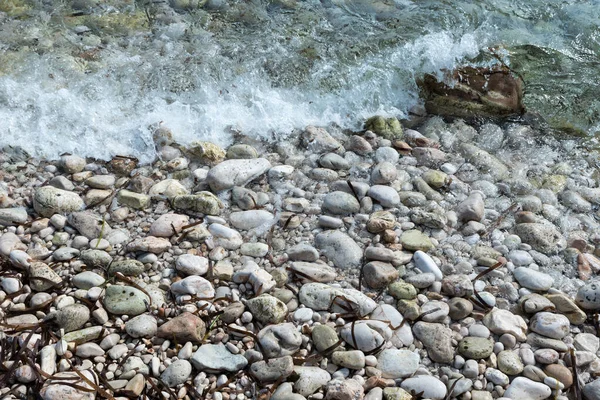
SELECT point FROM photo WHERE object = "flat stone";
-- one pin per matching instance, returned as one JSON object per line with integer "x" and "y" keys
{"x": 72, "y": 317}
{"x": 144, "y": 325}
{"x": 186, "y": 327}
{"x": 510, "y": 363}
{"x": 230, "y": 173}
{"x": 135, "y": 200}
{"x": 503, "y": 321}
{"x": 168, "y": 225}
{"x": 318, "y": 296}
{"x": 560, "y": 372}
{"x": 396, "y": 364}
{"x": 437, "y": 339}
{"x": 457, "y": 286}
{"x": 555, "y": 326}
{"x": 344, "y": 389}
{"x": 586, "y": 342}
{"x": 540, "y": 341}
{"x": 310, "y": 379}
{"x": 89, "y": 224}
{"x": 87, "y": 280}
{"x": 126, "y": 267}
{"x": 353, "y": 359}
{"x": 216, "y": 358}
{"x": 386, "y": 196}
{"x": 125, "y": 300}
{"x": 149, "y": 244}
{"x": 565, "y": 305}
{"x": 267, "y": 309}
{"x": 13, "y": 216}
{"x": 190, "y": 264}
{"x": 47, "y": 277}
{"x": 340, "y": 203}
{"x": 251, "y": 219}
{"x": 366, "y": 335}
{"x": 339, "y": 248}
{"x": 279, "y": 340}
{"x": 430, "y": 386}
{"x": 316, "y": 272}
{"x": 201, "y": 202}
{"x": 532, "y": 279}
{"x": 402, "y": 290}
{"x": 136, "y": 385}
{"x": 324, "y": 337}
{"x": 303, "y": 252}
{"x": 48, "y": 200}
{"x": 169, "y": 188}
{"x": 459, "y": 308}
{"x": 525, "y": 389}
{"x": 87, "y": 350}
{"x": 415, "y": 240}
{"x": 83, "y": 335}
{"x": 389, "y": 393}
{"x": 59, "y": 387}
{"x": 534, "y": 303}
{"x": 273, "y": 369}
{"x": 380, "y": 221}
{"x": 95, "y": 259}
{"x": 378, "y": 274}
{"x": 176, "y": 373}
{"x": 475, "y": 347}
{"x": 195, "y": 286}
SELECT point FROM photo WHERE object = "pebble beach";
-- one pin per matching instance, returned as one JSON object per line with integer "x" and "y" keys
{"x": 435, "y": 260}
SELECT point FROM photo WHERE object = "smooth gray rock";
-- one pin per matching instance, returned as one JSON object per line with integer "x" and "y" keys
{"x": 89, "y": 224}
{"x": 532, "y": 279}
{"x": 430, "y": 386}
{"x": 216, "y": 358}
{"x": 250, "y": 219}
{"x": 339, "y": 248}
{"x": 279, "y": 340}
{"x": 125, "y": 300}
{"x": 144, "y": 325}
{"x": 230, "y": 173}
{"x": 73, "y": 317}
{"x": 48, "y": 200}
{"x": 472, "y": 208}
{"x": 591, "y": 391}
{"x": 340, "y": 203}
{"x": 87, "y": 280}
{"x": 395, "y": 363}
{"x": 13, "y": 216}
{"x": 176, "y": 373}
{"x": 386, "y": 196}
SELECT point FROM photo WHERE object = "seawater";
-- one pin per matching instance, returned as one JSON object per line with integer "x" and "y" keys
{"x": 91, "y": 77}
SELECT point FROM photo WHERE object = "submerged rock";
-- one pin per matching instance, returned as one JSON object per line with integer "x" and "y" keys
{"x": 476, "y": 92}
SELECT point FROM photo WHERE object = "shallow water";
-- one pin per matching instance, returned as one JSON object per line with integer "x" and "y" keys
{"x": 90, "y": 77}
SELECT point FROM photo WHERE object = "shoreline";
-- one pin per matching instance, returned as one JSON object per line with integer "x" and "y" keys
{"x": 325, "y": 266}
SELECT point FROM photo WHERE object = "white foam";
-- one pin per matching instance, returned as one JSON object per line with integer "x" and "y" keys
{"x": 56, "y": 105}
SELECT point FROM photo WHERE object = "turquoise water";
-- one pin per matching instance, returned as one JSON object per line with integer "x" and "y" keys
{"x": 90, "y": 77}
